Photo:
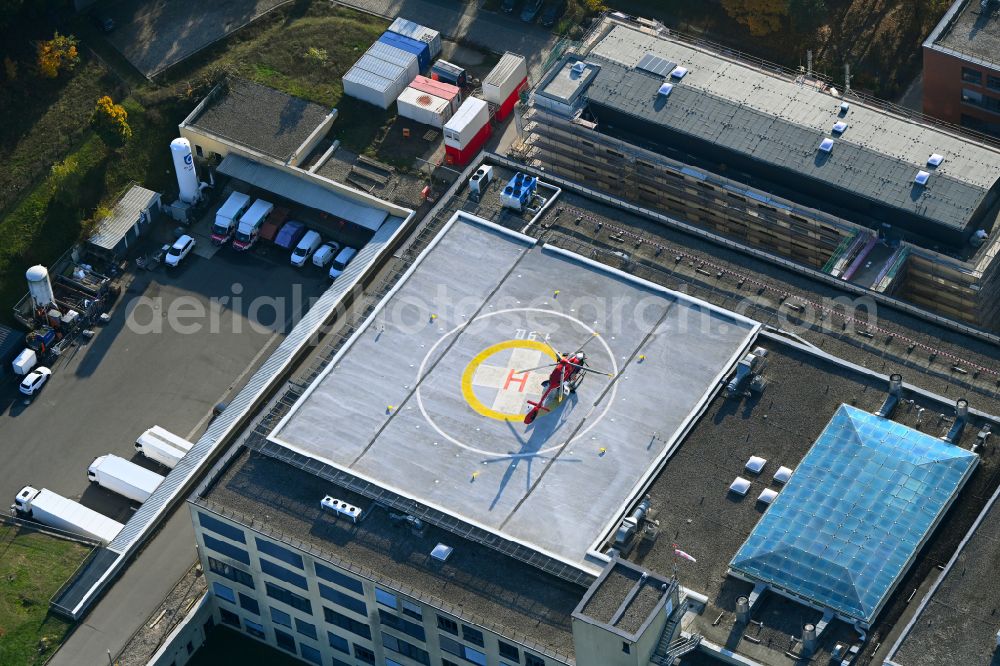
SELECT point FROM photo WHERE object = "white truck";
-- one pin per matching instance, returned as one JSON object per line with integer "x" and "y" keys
{"x": 228, "y": 216}
{"x": 52, "y": 509}
{"x": 123, "y": 477}
{"x": 250, "y": 224}
{"x": 163, "y": 446}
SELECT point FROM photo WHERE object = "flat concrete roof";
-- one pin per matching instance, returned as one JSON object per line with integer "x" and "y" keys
{"x": 426, "y": 400}
{"x": 968, "y": 30}
{"x": 565, "y": 83}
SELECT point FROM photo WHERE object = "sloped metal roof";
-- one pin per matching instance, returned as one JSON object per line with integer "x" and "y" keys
{"x": 845, "y": 528}
{"x": 304, "y": 189}
{"x": 126, "y": 213}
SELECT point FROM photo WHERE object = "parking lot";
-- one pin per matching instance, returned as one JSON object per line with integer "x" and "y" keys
{"x": 179, "y": 341}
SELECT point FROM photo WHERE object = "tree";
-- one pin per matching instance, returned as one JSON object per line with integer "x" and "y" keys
{"x": 57, "y": 54}
{"x": 761, "y": 17}
{"x": 110, "y": 120}
{"x": 806, "y": 15}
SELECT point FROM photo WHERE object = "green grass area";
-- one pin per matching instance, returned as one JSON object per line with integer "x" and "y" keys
{"x": 32, "y": 567}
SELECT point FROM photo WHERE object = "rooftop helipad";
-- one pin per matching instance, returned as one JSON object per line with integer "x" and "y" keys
{"x": 428, "y": 398}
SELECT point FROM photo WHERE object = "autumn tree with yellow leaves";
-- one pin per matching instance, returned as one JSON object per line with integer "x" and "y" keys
{"x": 110, "y": 120}
{"x": 57, "y": 54}
{"x": 761, "y": 17}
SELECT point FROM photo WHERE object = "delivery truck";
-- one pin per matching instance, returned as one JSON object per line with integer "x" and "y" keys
{"x": 250, "y": 224}
{"x": 228, "y": 216}
{"x": 52, "y": 509}
{"x": 123, "y": 477}
{"x": 163, "y": 446}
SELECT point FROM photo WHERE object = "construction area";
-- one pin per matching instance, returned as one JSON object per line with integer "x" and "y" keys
{"x": 782, "y": 163}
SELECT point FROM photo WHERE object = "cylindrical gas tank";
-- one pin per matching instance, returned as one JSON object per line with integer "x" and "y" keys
{"x": 39, "y": 286}
{"x": 187, "y": 176}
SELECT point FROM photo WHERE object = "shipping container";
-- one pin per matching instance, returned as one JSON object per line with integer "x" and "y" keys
{"x": 467, "y": 131}
{"x": 448, "y": 73}
{"x": 417, "y": 48}
{"x": 421, "y": 33}
{"x": 396, "y": 56}
{"x": 446, "y": 91}
{"x": 423, "y": 107}
{"x": 502, "y": 86}
{"x": 371, "y": 87}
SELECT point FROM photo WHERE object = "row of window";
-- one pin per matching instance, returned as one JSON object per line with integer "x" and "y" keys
{"x": 975, "y": 76}
{"x": 383, "y": 597}
{"x": 991, "y": 104}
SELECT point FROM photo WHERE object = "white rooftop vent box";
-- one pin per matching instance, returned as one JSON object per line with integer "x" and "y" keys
{"x": 666, "y": 89}
{"x": 921, "y": 177}
{"x": 839, "y": 127}
{"x": 767, "y": 496}
{"x": 679, "y": 73}
{"x": 342, "y": 508}
{"x": 782, "y": 475}
{"x": 845, "y": 107}
{"x": 826, "y": 145}
{"x": 755, "y": 464}
{"x": 579, "y": 67}
{"x": 441, "y": 552}
{"x": 935, "y": 160}
{"x": 740, "y": 486}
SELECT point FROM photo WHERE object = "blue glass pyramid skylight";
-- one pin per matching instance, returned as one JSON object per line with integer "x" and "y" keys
{"x": 859, "y": 506}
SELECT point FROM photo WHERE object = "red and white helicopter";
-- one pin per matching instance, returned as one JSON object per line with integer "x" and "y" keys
{"x": 566, "y": 376}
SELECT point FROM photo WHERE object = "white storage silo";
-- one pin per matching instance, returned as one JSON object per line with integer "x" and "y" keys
{"x": 39, "y": 286}
{"x": 187, "y": 177}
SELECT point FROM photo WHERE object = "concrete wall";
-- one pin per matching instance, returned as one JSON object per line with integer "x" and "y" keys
{"x": 187, "y": 637}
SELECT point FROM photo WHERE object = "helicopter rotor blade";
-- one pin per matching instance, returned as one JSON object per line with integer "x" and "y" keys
{"x": 586, "y": 342}
{"x": 547, "y": 365}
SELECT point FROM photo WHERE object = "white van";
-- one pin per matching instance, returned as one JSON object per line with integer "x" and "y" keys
{"x": 310, "y": 241}
{"x": 340, "y": 263}
{"x": 325, "y": 254}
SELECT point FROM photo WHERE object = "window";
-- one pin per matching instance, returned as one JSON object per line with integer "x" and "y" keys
{"x": 281, "y": 573}
{"x": 227, "y": 549}
{"x": 445, "y": 662}
{"x": 341, "y": 599}
{"x": 229, "y": 617}
{"x": 475, "y": 656}
{"x": 281, "y": 617}
{"x": 532, "y": 660}
{"x": 249, "y": 604}
{"x": 626, "y": 648}
{"x": 287, "y": 597}
{"x": 474, "y": 636}
{"x": 310, "y": 654}
{"x": 221, "y": 528}
{"x": 344, "y": 622}
{"x": 254, "y": 629}
{"x": 447, "y": 624}
{"x": 508, "y": 651}
{"x": 464, "y": 651}
{"x": 337, "y": 578}
{"x": 399, "y": 624}
{"x": 406, "y": 649}
{"x": 390, "y": 662}
{"x": 338, "y": 643}
{"x": 230, "y": 572}
{"x": 993, "y": 82}
{"x": 385, "y": 598}
{"x": 364, "y": 654}
{"x": 338, "y": 662}
{"x": 305, "y": 628}
{"x": 413, "y": 610}
{"x": 284, "y": 640}
{"x": 224, "y": 592}
{"x": 199, "y": 152}
{"x": 279, "y": 552}
{"x": 972, "y": 75}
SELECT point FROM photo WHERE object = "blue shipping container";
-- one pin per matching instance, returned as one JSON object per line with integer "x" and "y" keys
{"x": 417, "y": 48}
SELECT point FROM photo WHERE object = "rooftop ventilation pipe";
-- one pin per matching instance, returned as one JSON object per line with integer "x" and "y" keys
{"x": 961, "y": 417}
{"x": 891, "y": 400}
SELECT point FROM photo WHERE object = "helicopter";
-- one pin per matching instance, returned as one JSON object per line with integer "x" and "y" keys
{"x": 567, "y": 374}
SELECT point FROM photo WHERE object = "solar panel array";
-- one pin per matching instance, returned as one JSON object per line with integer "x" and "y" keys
{"x": 859, "y": 506}
{"x": 654, "y": 64}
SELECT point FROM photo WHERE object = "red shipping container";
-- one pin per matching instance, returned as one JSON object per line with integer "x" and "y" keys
{"x": 462, "y": 156}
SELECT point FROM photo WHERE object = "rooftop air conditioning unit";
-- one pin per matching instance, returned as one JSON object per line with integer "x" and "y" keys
{"x": 343, "y": 508}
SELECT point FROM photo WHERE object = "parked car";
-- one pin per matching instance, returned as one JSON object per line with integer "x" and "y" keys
{"x": 552, "y": 12}
{"x": 325, "y": 254}
{"x": 306, "y": 246}
{"x": 530, "y": 11}
{"x": 340, "y": 263}
{"x": 35, "y": 380}
{"x": 180, "y": 249}
{"x": 508, "y": 6}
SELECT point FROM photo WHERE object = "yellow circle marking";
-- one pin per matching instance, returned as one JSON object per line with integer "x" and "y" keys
{"x": 470, "y": 371}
